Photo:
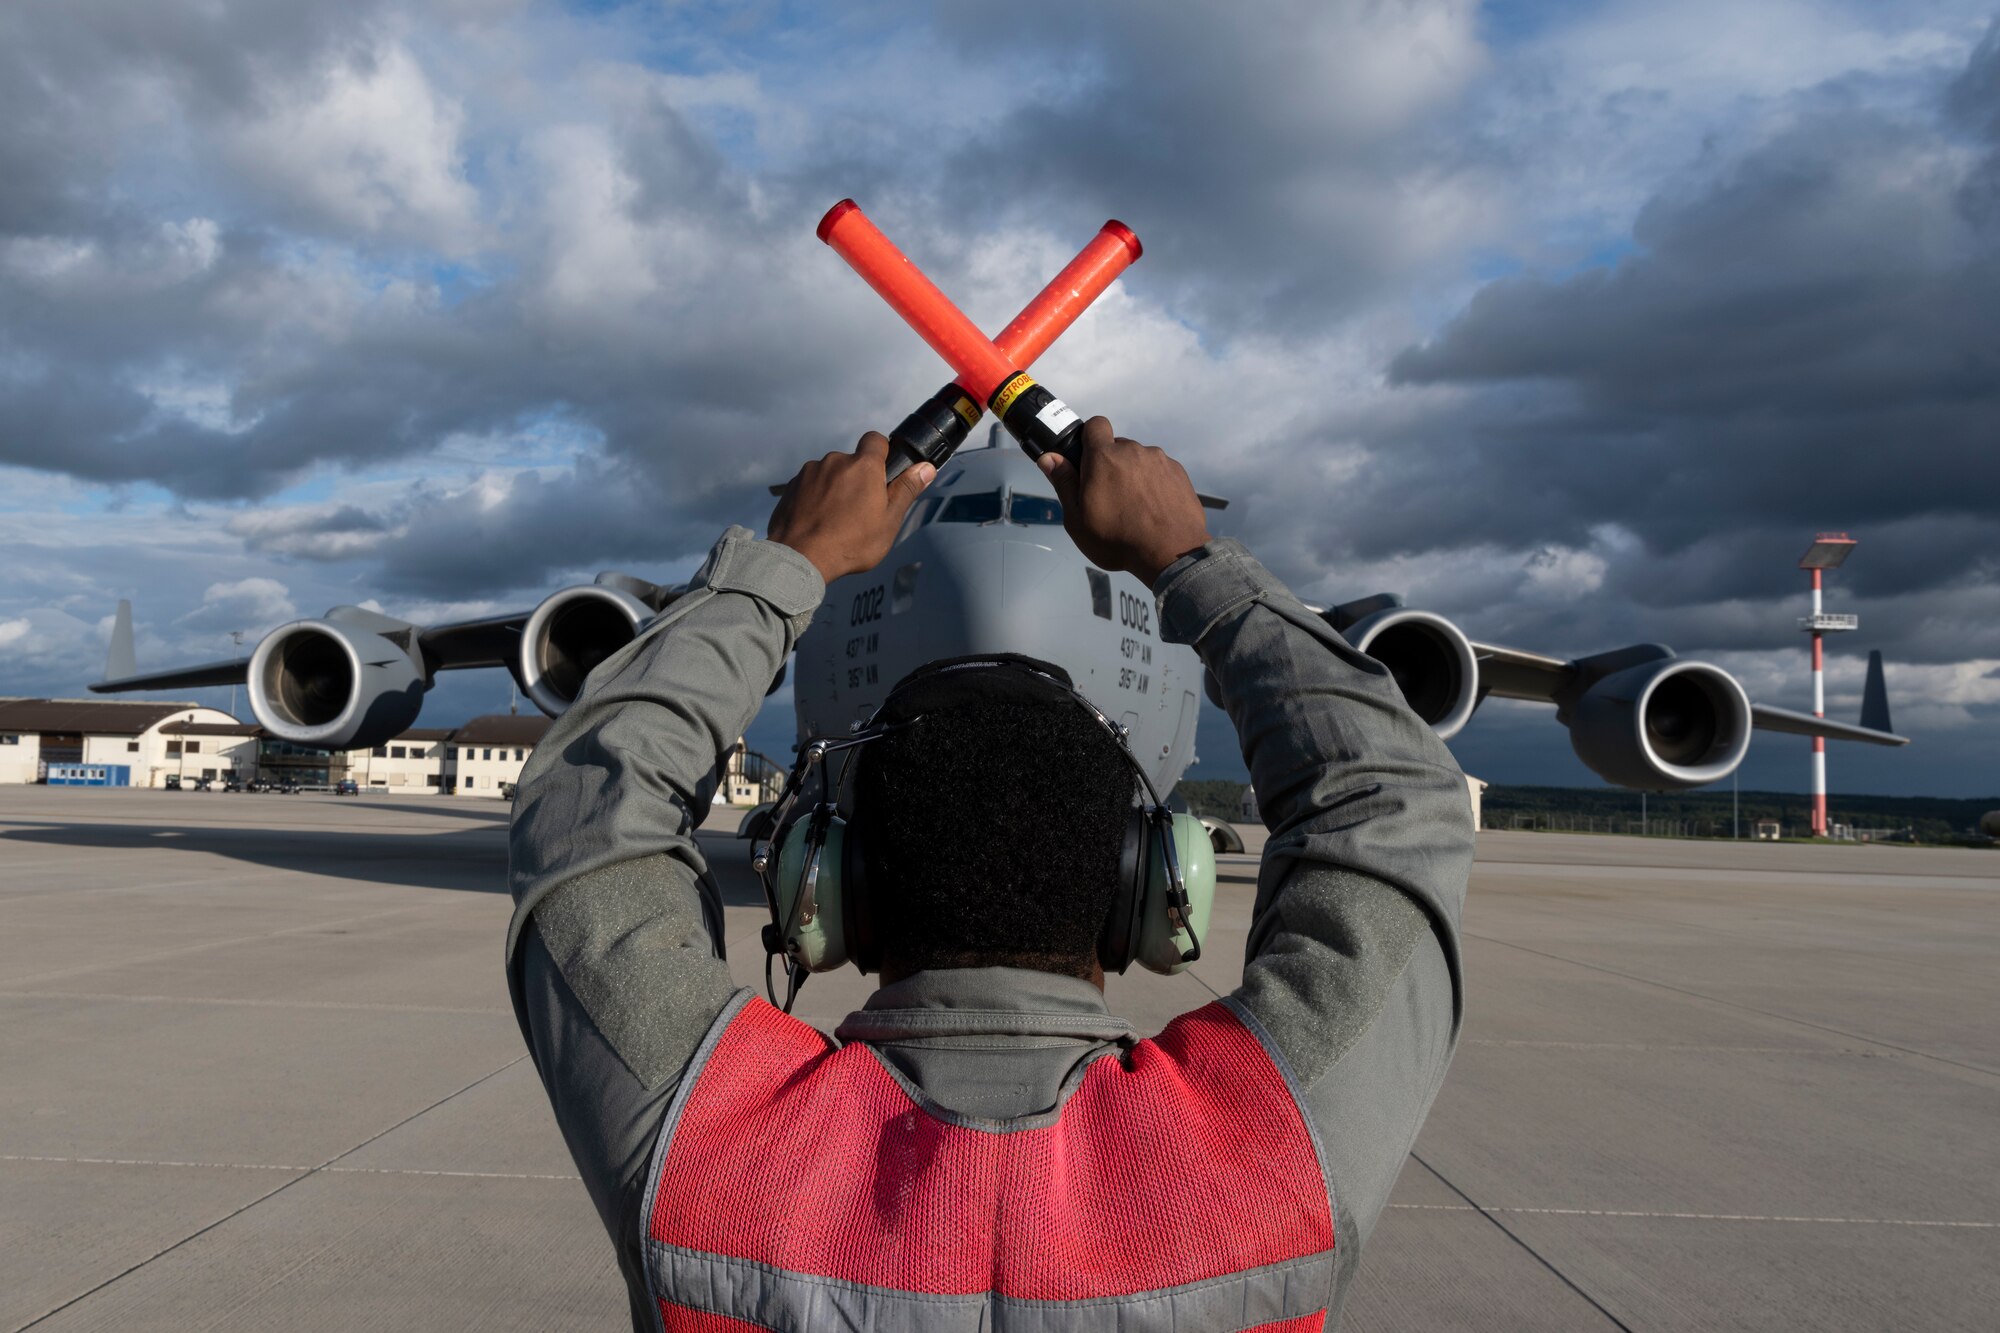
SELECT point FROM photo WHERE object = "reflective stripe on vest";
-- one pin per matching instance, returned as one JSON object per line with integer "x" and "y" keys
{"x": 801, "y": 1186}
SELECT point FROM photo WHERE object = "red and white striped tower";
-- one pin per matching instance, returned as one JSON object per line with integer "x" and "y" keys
{"x": 1828, "y": 550}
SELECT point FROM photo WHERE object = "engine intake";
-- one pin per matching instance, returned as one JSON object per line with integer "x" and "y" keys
{"x": 1662, "y": 726}
{"x": 334, "y": 686}
{"x": 569, "y": 634}
{"x": 1431, "y": 660}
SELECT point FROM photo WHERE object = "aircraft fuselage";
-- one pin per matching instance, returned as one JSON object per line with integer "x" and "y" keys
{"x": 983, "y": 565}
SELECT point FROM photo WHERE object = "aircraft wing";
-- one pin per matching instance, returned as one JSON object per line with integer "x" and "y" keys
{"x": 491, "y": 641}
{"x": 488, "y": 642}
{"x": 1766, "y": 718}
{"x": 1512, "y": 673}
{"x": 180, "y": 678}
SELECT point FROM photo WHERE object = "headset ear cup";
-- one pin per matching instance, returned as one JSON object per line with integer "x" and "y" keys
{"x": 1162, "y": 946}
{"x": 1120, "y": 939}
{"x": 819, "y": 944}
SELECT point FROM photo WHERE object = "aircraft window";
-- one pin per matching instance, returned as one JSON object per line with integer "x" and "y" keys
{"x": 1035, "y": 509}
{"x": 978, "y": 507}
{"x": 1100, "y": 593}
{"x": 920, "y": 514}
{"x": 903, "y": 591}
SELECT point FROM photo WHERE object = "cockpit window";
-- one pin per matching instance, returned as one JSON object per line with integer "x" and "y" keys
{"x": 978, "y": 507}
{"x": 1035, "y": 509}
{"x": 920, "y": 514}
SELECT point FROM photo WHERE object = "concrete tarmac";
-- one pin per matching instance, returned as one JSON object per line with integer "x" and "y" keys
{"x": 258, "y": 1070}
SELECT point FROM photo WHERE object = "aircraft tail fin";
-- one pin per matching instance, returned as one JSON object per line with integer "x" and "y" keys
{"x": 1875, "y": 696}
{"x": 121, "y": 662}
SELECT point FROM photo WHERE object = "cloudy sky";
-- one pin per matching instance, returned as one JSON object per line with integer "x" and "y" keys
{"x": 1572, "y": 321}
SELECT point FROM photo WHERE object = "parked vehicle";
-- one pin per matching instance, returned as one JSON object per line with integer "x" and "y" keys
{"x": 173, "y": 782}
{"x": 347, "y": 787}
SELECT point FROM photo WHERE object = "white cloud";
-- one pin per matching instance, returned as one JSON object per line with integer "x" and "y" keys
{"x": 369, "y": 145}
{"x": 249, "y": 604}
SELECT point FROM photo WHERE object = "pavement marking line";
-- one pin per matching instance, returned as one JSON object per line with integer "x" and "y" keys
{"x": 364, "y": 1005}
{"x": 269, "y": 1166}
{"x": 1472, "y": 1205}
{"x": 1698, "y": 1217}
{"x": 1737, "y": 936}
{"x": 1670, "y": 1046}
{"x": 1978, "y": 882}
{"x": 147, "y": 1161}
{"x": 1737, "y": 1004}
{"x": 219, "y": 944}
{"x": 269, "y": 1194}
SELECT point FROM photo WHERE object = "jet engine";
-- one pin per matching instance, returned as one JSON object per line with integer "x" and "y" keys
{"x": 1661, "y": 726}
{"x": 1429, "y": 656}
{"x": 337, "y": 683}
{"x": 569, "y": 634}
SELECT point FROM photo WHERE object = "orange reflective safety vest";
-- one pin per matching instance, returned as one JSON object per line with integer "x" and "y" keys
{"x": 801, "y": 1186}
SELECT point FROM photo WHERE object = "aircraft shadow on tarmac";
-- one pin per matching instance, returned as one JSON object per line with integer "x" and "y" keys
{"x": 469, "y": 860}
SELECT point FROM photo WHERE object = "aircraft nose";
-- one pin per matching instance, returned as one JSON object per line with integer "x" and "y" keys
{"x": 1008, "y": 596}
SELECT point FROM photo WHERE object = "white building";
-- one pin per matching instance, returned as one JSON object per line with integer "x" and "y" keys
{"x": 117, "y": 735}
{"x": 412, "y": 762}
{"x": 488, "y": 753}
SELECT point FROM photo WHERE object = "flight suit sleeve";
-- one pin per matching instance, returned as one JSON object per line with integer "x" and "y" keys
{"x": 615, "y": 954}
{"x": 1352, "y": 965}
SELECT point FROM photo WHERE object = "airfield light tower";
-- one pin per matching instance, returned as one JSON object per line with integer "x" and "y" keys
{"x": 1828, "y": 551}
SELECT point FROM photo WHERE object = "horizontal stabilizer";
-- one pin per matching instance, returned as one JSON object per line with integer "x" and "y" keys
{"x": 1766, "y": 718}
{"x": 182, "y": 678}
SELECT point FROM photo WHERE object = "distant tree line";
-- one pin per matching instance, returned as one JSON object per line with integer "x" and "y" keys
{"x": 1928, "y": 818}
{"x": 1697, "y": 813}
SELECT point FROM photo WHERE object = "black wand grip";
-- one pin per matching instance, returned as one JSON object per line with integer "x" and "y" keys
{"x": 1039, "y": 421}
{"x": 933, "y": 432}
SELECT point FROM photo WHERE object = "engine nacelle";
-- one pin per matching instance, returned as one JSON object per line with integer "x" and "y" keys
{"x": 335, "y": 685}
{"x": 569, "y": 634}
{"x": 1430, "y": 658}
{"x": 1662, "y": 726}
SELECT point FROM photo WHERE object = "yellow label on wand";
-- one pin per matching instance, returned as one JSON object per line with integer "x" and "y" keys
{"x": 967, "y": 410}
{"x": 1009, "y": 391}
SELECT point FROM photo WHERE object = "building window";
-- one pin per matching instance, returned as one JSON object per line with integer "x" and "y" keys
{"x": 380, "y": 752}
{"x": 194, "y": 747}
{"x": 399, "y": 752}
{"x": 467, "y": 780}
{"x": 16, "y": 740}
{"x": 131, "y": 747}
{"x": 173, "y": 747}
{"x": 434, "y": 779}
{"x": 487, "y": 755}
{"x": 519, "y": 756}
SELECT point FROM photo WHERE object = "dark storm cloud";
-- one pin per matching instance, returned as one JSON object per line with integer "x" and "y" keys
{"x": 1807, "y": 337}
{"x": 1284, "y": 165}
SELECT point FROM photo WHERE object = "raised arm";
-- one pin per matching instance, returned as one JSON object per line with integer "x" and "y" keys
{"x": 1353, "y": 968}
{"x": 614, "y": 956}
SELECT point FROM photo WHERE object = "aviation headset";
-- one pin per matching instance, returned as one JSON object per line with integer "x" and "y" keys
{"x": 815, "y": 881}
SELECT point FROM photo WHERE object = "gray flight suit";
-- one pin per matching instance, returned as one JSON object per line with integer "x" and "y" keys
{"x": 614, "y": 955}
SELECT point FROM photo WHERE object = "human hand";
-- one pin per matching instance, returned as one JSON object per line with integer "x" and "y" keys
{"x": 839, "y": 513}
{"x": 1126, "y": 505}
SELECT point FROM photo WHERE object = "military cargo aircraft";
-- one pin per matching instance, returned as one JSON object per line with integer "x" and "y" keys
{"x": 981, "y": 565}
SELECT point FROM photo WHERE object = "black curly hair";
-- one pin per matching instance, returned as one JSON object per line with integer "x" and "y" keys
{"x": 993, "y": 832}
